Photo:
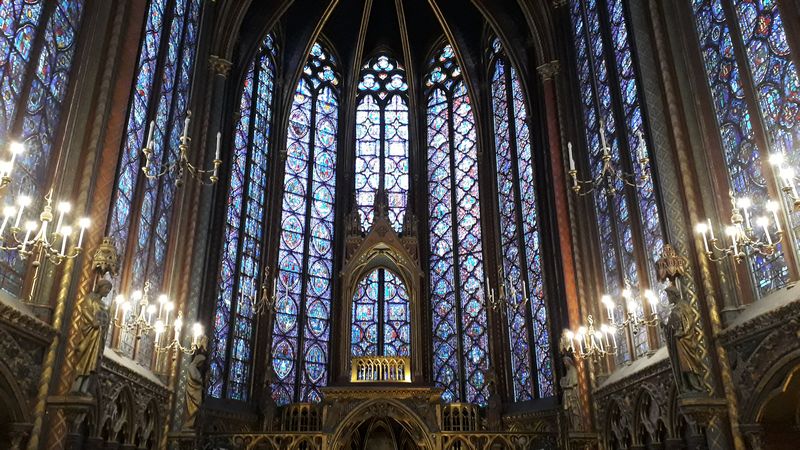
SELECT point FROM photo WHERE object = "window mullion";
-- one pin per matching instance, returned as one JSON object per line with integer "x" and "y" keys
{"x": 304, "y": 278}
{"x": 456, "y": 257}
{"x": 237, "y": 289}
{"x": 517, "y": 201}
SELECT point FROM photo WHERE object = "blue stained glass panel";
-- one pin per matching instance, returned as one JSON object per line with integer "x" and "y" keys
{"x": 742, "y": 155}
{"x": 305, "y": 256}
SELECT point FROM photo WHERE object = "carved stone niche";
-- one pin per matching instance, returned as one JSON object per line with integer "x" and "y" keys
{"x": 381, "y": 248}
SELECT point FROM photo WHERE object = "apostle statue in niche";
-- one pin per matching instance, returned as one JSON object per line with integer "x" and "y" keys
{"x": 569, "y": 388}
{"x": 683, "y": 342}
{"x": 195, "y": 383}
{"x": 94, "y": 319}
{"x": 494, "y": 410}
{"x": 684, "y": 347}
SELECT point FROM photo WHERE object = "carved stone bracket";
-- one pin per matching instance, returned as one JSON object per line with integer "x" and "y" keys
{"x": 583, "y": 441}
{"x": 219, "y": 65}
{"x": 703, "y": 409}
{"x": 549, "y": 70}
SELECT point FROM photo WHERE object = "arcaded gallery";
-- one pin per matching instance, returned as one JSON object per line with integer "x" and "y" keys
{"x": 399, "y": 224}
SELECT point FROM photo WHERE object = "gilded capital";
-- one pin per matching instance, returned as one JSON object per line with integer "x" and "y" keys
{"x": 219, "y": 65}
{"x": 549, "y": 70}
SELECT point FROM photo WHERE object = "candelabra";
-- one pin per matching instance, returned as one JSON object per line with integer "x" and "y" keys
{"x": 590, "y": 342}
{"x": 182, "y": 165}
{"x": 593, "y": 343}
{"x": 136, "y": 316}
{"x": 38, "y": 239}
{"x": 164, "y": 343}
{"x": 264, "y": 300}
{"x": 7, "y": 167}
{"x": 507, "y": 295}
{"x": 741, "y": 233}
{"x": 634, "y": 315}
{"x": 609, "y": 174}
{"x": 788, "y": 179}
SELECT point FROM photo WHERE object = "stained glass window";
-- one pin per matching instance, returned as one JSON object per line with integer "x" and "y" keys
{"x": 381, "y": 316}
{"x": 382, "y": 138}
{"x": 240, "y": 264}
{"x": 301, "y": 332}
{"x": 758, "y": 28}
{"x": 460, "y": 338}
{"x": 37, "y": 49}
{"x": 528, "y": 328}
{"x": 628, "y": 223}
{"x": 160, "y": 96}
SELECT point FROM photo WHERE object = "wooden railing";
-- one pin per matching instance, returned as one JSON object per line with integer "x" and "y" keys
{"x": 380, "y": 369}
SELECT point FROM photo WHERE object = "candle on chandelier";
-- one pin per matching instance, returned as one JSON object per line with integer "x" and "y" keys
{"x": 788, "y": 175}
{"x": 162, "y": 300}
{"x": 23, "y": 202}
{"x": 186, "y": 128}
{"x": 652, "y": 298}
{"x": 150, "y": 134}
{"x": 642, "y": 151}
{"x": 63, "y": 209}
{"x": 159, "y": 328}
{"x": 571, "y": 159}
{"x": 603, "y": 138}
{"x": 733, "y": 232}
{"x": 119, "y": 301}
{"x": 745, "y": 203}
{"x": 30, "y": 227}
{"x": 83, "y": 224}
{"x": 197, "y": 332}
{"x": 702, "y": 229}
{"x": 606, "y": 331}
{"x": 772, "y": 207}
{"x": 177, "y": 327}
{"x": 609, "y": 304}
{"x": 8, "y": 213}
{"x": 17, "y": 148}
{"x": 763, "y": 222}
{"x": 65, "y": 233}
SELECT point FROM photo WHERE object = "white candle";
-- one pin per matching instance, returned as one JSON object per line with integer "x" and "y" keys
{"x": 571, "y": 159}
{"x": 732, "y": 232}
{"x": 150, "y": 134}
{"x": 745, "y": 204}
{"x": 763, "y": 222}
{"x": 186, "y": 128}
{"x": 603, "y": 137}
{"x": 773, "y": 208}
{"x": 23, "y": 201}
{"x": 219, "y": 145}
{"x": 642, "y": 153}
{"x": 65, "y": 232}
{"x": 84, "y": 224}
{"x": 710, "y": 229}
{"x": 702, "y": 228}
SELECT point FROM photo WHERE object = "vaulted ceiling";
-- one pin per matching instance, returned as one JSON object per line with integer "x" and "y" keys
{"x": 409, "y": 29}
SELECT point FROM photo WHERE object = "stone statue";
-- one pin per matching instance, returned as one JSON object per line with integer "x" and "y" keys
{"x": 494, "y": 410}
{"x": 195, "y": 383}
{"x": 94, "y": 318}
{"x": 267, "y": 404}
{"x": 571, "y": 398}
{"x": 682, "y": 343}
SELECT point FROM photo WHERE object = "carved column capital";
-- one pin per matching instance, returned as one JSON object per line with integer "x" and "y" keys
{"x": 549, "y": 70}
{"x": 219, "y": 66}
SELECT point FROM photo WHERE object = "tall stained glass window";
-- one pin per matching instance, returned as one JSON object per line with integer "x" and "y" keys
{"x": 629, "y": 223}
{"x": 382, "y": 138}
{"x": 528, "y": 329}
{"x": 460, "y": 336}
{"x": 753, "y": 31}
{"x": 381, "y": 316}
{"x": 240, "y": 265}
{"x": 301, "y": 332}
{"x": 142, "y": 208}
{"x": 37, "y": 48}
